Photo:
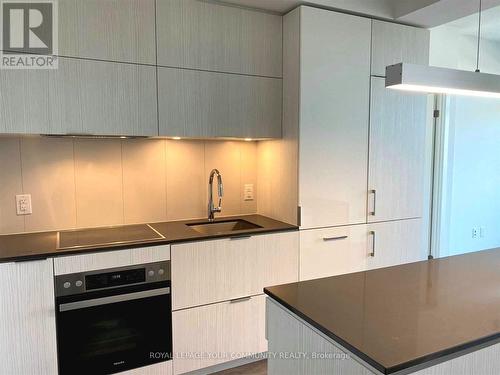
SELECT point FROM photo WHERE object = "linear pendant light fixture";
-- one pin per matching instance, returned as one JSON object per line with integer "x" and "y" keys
{"x": 429, "y": 79}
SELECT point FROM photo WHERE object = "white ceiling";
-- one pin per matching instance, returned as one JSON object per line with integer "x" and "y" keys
{"x": 425, "y": 13}
{"x": 379, "y": 8}
{"x": 490, "y": 24}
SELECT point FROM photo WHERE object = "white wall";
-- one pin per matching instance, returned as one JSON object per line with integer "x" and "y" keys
{"x": 450, "y": 49}
{"x": 473, "y": 158}
{"x": 475, "y": 175}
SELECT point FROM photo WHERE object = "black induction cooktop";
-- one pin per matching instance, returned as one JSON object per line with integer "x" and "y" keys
{"x": 73, "y": 239}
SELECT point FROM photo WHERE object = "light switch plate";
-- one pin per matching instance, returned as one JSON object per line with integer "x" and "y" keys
{"x": 248, "y": 192}
{"x": 23, "y": 204}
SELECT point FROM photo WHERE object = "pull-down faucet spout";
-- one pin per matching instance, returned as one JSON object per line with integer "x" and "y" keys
{"x": 220, "y": 191}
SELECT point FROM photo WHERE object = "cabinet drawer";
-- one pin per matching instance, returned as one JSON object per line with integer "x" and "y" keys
{"x": 110, "y": 259}
{"x": 396, "y": 242}
{"x": 208, "y": 335}
{"x": 332, "y": 251}
{"x": 393, "y": 43}
{"x": 220, "y": 270}
{"x": 162, "y": 368}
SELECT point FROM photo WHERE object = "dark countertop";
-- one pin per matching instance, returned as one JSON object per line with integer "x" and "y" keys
{"x": 399, "y": 317}
{"x": 29, "y": 246}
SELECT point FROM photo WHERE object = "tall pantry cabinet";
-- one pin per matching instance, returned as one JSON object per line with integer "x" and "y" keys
{"x": 361, "y": 146}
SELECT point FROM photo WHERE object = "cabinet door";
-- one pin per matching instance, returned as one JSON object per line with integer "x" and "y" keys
{"x": 334, "y": 104}
{"x": 332, "y": 251}
{"x": 27, "y": 318}
{"x": 202, "y": 35}
{"x": 397, "y": 153}
{"x": 393, "y": 43}
{"x": 208, "y": 335}
{"x": 206, "y": 104}
{"x": 213, "y": 271}
{"x": 116, "y": 30}
{"x": 81, "y": 96}
{"x": 396, "y": 242}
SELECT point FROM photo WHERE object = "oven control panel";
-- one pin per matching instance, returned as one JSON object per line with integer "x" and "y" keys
{"x": 77, "y": 283}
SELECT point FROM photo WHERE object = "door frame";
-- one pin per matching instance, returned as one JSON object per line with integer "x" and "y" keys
{"x": 442, "y": 179}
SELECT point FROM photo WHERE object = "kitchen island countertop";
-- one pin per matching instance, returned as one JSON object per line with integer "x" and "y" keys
{"x": 403, "y": 317}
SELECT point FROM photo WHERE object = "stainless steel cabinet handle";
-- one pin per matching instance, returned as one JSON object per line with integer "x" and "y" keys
{"x": 243, "y": 237}
{"x": 242, "y": 299}
{"x": 335, "y": 238}
{"x": 374, "y": 192}
{"x": 373, "y": 243}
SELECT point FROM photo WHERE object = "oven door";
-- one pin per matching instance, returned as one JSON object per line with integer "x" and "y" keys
{"x": 113, "y": 331}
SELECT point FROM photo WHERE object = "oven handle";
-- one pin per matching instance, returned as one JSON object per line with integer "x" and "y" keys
{"x": 112, "y": 299}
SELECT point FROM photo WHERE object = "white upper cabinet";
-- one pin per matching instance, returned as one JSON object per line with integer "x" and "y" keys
{"x": 206, "y": 36}
{"x": 116, "y": 30}
{"x": 81, "y": 96}
{"x": 201, "y": 104}
{"x": 219, "y": 71}
{"x": 393, "y": 43}
{"x": 397, "y": 153}
{"x": 333, "y": 114}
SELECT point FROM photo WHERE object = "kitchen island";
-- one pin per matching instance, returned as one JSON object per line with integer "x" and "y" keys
{"x": 436, "y": 317}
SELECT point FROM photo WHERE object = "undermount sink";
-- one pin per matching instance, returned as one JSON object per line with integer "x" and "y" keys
{"x": 218, "y": 227}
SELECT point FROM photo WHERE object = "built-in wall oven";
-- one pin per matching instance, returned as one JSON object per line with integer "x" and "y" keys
{"x": 113, "y": 320}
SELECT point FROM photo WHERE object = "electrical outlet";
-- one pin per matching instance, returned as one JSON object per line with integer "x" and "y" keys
{"x": 23, "y": 204}
{"x": 475, "y": 233}
{"x": 248, "y": 192}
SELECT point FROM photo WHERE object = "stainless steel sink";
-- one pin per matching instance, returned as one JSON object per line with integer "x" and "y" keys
{"x": 218, "y": 227}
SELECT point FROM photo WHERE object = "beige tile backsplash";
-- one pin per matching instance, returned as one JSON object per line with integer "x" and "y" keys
{"x": 186, "y": 183}
{"x": 11, "y": 183}
{"x": 77, "y": 183}
{"x": 144, "y": 181}
{"x": 48, "y": 175}
{"x": 98, "y": 182}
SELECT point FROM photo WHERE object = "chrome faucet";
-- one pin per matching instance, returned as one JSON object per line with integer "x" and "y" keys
{"x": 220, "y": 191}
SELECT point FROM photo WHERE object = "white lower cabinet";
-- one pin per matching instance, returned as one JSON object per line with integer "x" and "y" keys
{"x": 220, "y": 270}
{"x": 27, "y": 318}
{"x": 396, "y": 242}
{"x": 209, "y": 335}
{"x": 217, "y": 295}
{"x": 162, "y": 368}
{"x": 332, "y": 251}
{"x": 340, "y": 250}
